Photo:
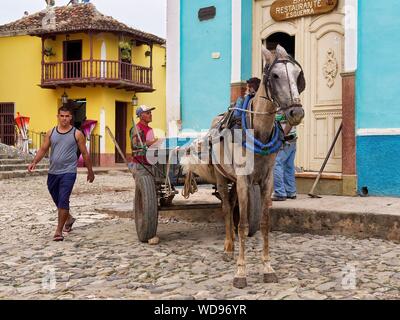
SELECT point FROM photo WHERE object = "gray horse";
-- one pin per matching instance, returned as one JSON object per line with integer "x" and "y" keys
{"x": 280, "y": 89}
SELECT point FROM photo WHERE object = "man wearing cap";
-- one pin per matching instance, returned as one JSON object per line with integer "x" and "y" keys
{"x": 142, "y": 136}
{"x": 252, "y": 86}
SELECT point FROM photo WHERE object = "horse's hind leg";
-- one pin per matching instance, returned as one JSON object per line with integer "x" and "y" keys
{"x": 240, "y": 280}
{"x": 229, "y": 247}
{"x": 268, "y": 272}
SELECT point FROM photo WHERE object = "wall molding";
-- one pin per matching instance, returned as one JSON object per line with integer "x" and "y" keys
{"x": 378, "y": 132}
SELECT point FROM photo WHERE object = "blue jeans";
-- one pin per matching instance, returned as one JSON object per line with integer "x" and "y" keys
{"x": 284, "y": 179}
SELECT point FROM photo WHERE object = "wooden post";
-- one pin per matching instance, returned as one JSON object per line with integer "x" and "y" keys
{"x": 91, "y": 55}
{"x": 119, "y": 58}
{"x": 43, "y": 59}
{"x": 151, "y": 64}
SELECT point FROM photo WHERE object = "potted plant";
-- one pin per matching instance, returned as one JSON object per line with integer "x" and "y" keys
{"x": 126, "y": 50}
{"x": 48, "y": 52}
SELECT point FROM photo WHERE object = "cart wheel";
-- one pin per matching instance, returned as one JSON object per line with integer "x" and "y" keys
{"x": 254, "y": 211}
{"x": 145, "y": 207}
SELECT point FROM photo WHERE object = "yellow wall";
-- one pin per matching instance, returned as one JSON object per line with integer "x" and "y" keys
{"x": 158, "y": 98}
{"x": 20, "y": 69}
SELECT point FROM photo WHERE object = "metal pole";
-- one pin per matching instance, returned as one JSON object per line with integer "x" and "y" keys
{"x": 118, "y": 148}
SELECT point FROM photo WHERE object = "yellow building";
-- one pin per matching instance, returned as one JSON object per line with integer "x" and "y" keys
{"x": 96, "y": 62}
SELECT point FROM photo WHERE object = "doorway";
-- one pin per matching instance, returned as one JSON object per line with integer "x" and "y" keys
{"x": 7, "y": 127}
{"x": 121, "y": 113}
{"x": 72, "y": 56}
{"x": 78, "y": 108}
{"x": 283, "y": 39}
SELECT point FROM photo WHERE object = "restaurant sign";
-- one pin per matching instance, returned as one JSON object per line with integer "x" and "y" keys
{"x": 291, "y": 9}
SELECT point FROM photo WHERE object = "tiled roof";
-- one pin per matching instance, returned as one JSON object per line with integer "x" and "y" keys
{"x": 73, "y": 18}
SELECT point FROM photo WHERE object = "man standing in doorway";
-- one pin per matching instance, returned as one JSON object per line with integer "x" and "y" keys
{"x": 64, "y": 140}
{"x": 284, "y": 170}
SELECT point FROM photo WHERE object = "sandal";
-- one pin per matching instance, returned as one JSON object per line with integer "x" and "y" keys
{"x": 58, "y": 237}
{"x": 68, "y": 226}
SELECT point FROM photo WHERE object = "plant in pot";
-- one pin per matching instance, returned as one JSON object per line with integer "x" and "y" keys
{"x": 126, "y": 51}
{"x": 48, "y": 52}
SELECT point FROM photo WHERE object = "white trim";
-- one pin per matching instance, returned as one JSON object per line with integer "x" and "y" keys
{"x": 173, "y": 94}
{"x": 350, "y": 10}
{"x": 102, "y": 130}
{"x": 379, "y": 132}
{"x": 103, "y": 54}
{"x": 236, "y": 67}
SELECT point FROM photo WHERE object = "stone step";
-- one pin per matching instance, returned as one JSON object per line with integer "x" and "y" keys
{"x": 22, "y": 173}
{"x": 17, "y": 167}
{"x": 12, "y": 161}
{"x": 4, "y": 156}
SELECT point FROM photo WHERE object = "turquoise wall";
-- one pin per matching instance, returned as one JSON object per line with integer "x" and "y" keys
{"x": 247, "y": 36}
{"x": 377, "y": 96}
{"x": 378, "y": 72}
{"x": 205, "y": 82}
{"x": 378, "y": 165}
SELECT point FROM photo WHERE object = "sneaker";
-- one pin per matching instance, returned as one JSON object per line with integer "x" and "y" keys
{"x": 292, "y": 197}
{"x": 277, "y": 198}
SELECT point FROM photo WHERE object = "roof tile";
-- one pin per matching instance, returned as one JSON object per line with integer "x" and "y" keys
{"x": 73, "y": 18}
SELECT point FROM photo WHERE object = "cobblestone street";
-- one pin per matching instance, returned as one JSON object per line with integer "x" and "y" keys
{"x": 102, "y": 258}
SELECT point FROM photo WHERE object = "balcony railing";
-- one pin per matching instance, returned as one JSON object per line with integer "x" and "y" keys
{"x": 106, "y": 72}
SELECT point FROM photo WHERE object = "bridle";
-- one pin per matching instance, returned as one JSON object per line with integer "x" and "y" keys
{"x": 269, "y": 84}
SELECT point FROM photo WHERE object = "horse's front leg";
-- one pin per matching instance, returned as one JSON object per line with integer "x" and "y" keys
{"x": 229, "y": 246}
{"x": 266, "y": 190}
{"x": 243, "y": 195}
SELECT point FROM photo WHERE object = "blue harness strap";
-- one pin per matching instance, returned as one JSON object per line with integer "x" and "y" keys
{"x": 257, "y": 146}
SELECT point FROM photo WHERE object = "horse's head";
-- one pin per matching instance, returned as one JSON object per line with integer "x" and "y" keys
{"x": 283, "y": 79}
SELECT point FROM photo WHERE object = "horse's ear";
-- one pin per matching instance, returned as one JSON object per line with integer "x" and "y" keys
{"x": 281, "y": 53}
{"x": 267, "y": 55}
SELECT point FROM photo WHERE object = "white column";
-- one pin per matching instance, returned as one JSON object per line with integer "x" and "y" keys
{"x": 173, "y": 67}
{"x": 103, "y": 130}
{"x": 351, "y": 25}
{"x": 103, "y": 56}
{"x": 236, "y": 40}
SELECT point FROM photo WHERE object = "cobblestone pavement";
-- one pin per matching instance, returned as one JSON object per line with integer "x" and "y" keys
{"x": 102, "y": 257}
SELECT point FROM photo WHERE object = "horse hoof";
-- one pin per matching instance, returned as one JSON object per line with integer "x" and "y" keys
{"x": 239, "y": 283}
{"x": 270, "y": 278}
{"x": 227, "y": 256}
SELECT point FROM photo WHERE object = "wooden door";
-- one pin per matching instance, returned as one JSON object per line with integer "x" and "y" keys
{"x": 325, "y": 49}
{"x": 121, "y": 110}
{"x": 72, "y": 55}
{"x": 7, "y": 123}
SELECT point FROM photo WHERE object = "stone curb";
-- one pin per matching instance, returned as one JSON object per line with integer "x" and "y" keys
{"x": 324, "y": 222}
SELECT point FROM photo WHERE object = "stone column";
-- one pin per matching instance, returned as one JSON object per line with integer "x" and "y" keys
{"x": 348, "y": 135}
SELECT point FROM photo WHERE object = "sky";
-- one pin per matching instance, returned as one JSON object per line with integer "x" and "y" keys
{"x": 145, "y": 15}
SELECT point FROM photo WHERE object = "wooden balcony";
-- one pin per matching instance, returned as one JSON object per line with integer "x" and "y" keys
{"x": 82, "y": 73}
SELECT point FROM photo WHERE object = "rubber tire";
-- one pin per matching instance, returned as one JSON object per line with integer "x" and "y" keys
{"x": 254, "y": 212}
{"x": 146, "y": 208}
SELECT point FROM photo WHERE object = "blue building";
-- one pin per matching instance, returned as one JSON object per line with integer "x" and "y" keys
{"x": 348, "y": 54}
{"x": 377, "y": 102}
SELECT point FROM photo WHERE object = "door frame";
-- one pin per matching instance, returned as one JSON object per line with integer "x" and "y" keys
{"x": 121, "y": 118}
{"x": 65, "y": 52}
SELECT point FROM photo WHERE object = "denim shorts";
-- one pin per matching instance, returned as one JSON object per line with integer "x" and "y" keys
{"x": 60, "y": 187}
